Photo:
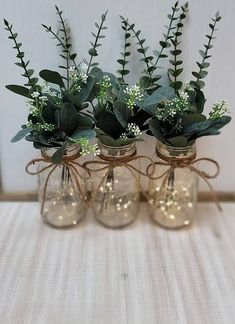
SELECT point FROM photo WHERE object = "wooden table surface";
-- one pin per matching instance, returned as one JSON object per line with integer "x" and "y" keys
{"x": 138, "y": 275}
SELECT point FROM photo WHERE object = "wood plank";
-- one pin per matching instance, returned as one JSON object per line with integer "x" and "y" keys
{"x": 139, "y": 275}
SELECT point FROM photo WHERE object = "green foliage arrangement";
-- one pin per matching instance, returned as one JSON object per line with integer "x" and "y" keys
{"x": 117, "y": 110}
{"x": 178, "y": 119}
{"x": 58, "y": 114}
{"x": 57, "y": 107}
{"x": 117, "y": 106}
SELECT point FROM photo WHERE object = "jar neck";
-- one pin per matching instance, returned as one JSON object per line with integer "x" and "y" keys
{"x": 118, "y": 152}
{"x": 177, "y": 153}
{"x": 70, "y": 150}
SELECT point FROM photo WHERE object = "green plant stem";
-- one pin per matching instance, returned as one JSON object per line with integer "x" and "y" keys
{"x": 96, "y": 40}
{"x": 179, "y": 26}
{"x": 174, "y": 9}
{"x": 64, "y": 47}
{"x": 21, "y": 59}
{"x": 66, "y": 43}
{"x": 141, "y": 45}
{"x": 124, "y": 56}
{"x": 207, "y": 48}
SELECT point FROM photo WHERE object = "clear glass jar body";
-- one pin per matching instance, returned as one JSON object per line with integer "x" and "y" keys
{"x": 174, "y": 196}
{"x": 62, "y": 203}
{"x": 115, "y": 190}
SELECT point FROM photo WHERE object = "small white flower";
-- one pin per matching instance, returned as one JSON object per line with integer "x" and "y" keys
{"x": 124, "y": 137}
{"x": 35, "y": 94}
{"x": 134, "y": 129}
{"x": 43, "y": 99}
{"x": 135, "y": 94}
{"x": 187, "y": 86}
{"x": 83, "y": 76}
{"x": 83, "y": 66}
{"x": 219, "y": 109}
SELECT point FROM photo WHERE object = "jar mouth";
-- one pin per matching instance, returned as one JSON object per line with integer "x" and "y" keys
{"x": 117, "y": 151}
{"x": 115, "y": 147}
{"x": 71, "y": 149}
{"x": 176, "y": 148}
{"x": 168, "y": 151}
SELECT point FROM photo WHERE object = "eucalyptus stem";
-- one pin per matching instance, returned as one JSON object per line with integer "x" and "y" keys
{"x": 208, "y": 46}
{"x": 125, "y": 53}
{"x": 93, "y": 51}
{"x": 20, "y": 55}
{"x": 203, "y": 65}
{"x": 176, "y": 71}
{"x": 66, "y": 46}
{"x": 64, "y": 43}
{"x": 167, "y": 37}
{"x": 142, "y": 49}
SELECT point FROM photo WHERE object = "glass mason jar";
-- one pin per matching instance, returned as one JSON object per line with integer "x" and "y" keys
{"x": 63, "y": 204}
{"x": 174, "y": 196}
{"x": 115, "y": 189}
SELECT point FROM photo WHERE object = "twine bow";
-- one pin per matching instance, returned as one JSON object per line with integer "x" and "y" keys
{"x": 68, "y": 162}
{"x": 108, "y": 163}
{"x": 189, "y": 163}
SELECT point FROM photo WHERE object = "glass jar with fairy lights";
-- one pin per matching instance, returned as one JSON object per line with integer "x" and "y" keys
{"x": 174, "y": 189}
{"x": 61, "y": 188}
{"x": 115, "y": 185}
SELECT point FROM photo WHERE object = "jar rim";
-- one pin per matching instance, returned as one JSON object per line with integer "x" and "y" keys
{"x": 116, "y": 147}
{"x": 167, "y": 152}
{"x": 70, "y": 148}
{"x": 176, "y": 148}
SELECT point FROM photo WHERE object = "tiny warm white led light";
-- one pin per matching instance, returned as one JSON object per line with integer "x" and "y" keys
{"x": 172, "y": 216}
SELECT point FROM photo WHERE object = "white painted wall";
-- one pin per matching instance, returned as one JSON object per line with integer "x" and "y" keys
{"x": 150, "y": 16}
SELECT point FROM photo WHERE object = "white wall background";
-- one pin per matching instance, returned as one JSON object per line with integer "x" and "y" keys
{"x": 150, "y": 16}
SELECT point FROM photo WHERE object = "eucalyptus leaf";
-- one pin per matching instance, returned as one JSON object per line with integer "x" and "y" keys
{"x": 23, "y": 91}
{"x": 21, "y": 134}
{"x": 52, "y": 77}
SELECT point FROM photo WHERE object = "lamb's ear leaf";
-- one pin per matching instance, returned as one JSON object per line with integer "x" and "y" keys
{"x": 23, "y": 91}
{"x": 83, "y": 133}
{"x": 163, "y": 93}
{"x": 85, "y": 91}
{"x": 193, "y": 118}
{"x": 109, "y": 124}
{"x": 69, "y": 117}
{"x": 52, "y": 77}
{"x": 178, "y": 141}
{"x": 199, "y": 100}
{"x": 58, "y": 155}
{"x": 21, "y": 134}
{"x": 155, "y": 129}
{"x": 122, "y": 112}
{"x": 209, "y": 125}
